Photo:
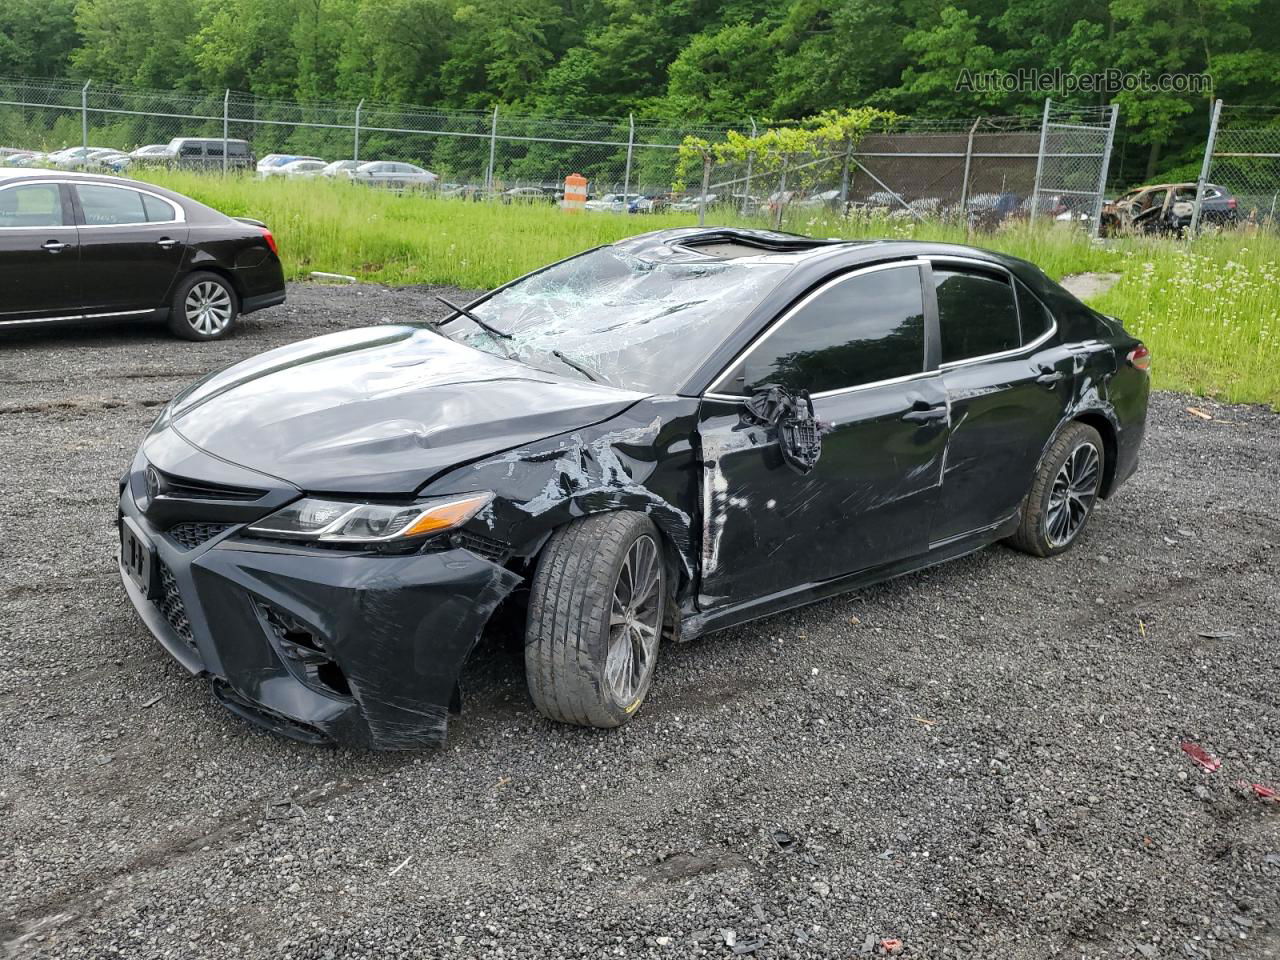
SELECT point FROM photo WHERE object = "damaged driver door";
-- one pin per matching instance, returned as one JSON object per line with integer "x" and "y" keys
{"x": 822, "y": 444}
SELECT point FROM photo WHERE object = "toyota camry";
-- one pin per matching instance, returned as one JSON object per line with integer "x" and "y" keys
{"x": 655, "y": 439}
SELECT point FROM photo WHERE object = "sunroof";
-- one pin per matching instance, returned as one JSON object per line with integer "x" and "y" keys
{"x": 733, "y": 246}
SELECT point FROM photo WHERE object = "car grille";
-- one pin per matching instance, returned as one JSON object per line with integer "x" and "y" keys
{"x": 171, "y": 607}
{"x": 191, "y": 535}
{"x": 182, "y": 488}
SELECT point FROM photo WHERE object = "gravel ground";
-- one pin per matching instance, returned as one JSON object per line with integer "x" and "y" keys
{"x": 978, "y": 760}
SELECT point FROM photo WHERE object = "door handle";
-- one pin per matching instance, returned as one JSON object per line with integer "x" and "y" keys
{"x": 1049, "y": 376}
{"x": 53, "y": 246}
{"x": 165, "y": 243}
{"x": 922, "y": 412}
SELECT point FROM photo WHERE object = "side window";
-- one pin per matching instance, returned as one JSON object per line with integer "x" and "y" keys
{"x": 866, "y": 328}
{"x": 191, "y": 150}
{"x": 157, "y": 210}
{"x": 976, "y": 314}
{"x": 213, "y": 149}
{"x": 110, "y": 206}
{"x": 1034, "y": 316}
{"x": 32, "y": 205}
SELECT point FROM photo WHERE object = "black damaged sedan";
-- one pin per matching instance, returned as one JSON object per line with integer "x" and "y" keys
{"x": 656, "y": 439}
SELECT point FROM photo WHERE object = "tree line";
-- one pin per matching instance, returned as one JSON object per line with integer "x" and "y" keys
{"x": 683, "y": 60}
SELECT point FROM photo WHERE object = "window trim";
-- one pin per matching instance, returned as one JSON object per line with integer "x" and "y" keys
{"x": 999, "y": 268}
{"x": 913, "y": 262}
{"x": 62, "y": 202}
{"x": 180, "y": 215}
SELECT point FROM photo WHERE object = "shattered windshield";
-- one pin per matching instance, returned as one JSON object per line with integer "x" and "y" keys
{"x": 619, "y": 319}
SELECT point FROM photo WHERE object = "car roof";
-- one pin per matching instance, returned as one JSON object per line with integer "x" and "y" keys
{"x": 691, "y": 244}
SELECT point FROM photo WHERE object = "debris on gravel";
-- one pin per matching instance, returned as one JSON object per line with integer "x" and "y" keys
{"x": 979, "y": 760}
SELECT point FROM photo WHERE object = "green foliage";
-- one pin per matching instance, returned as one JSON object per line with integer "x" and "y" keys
{"x": 722, "y": 61}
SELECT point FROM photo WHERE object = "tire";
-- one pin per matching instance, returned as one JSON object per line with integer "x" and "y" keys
{"x": 1078, "y": 452}
{"x": 576, "y": 599}
{"x": 212, "y": 321}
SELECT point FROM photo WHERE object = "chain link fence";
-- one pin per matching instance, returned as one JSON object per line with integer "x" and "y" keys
{"x": 1239, "y": 183}
{"x": 981, "y": 172}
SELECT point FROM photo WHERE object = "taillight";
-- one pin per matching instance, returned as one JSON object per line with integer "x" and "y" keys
{"x": 1139, "y": 358}
{"x": 271, "y": 241}
{"x": 1231, "y": 203}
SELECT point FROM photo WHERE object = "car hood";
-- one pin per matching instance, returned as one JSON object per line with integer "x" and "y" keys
{"x": 380, "y": 410}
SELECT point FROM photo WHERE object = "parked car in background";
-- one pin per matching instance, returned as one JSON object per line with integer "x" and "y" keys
{"x": 340, "y": 168}
{"x": 273, "y": 164}
{"x": 460, "y": 191}
{"x": 273, "y": 161}
{"x": 1167, "y": 208}
{"x": 394, "y": 175}
{"x": 301, "y": 169}
{"x": 22, "y": 158}
{"x": 527, "y": 195}
{"x": 83, "y": 247}
{"x": 691, "y": 204}
{"x": 988, "y": 210}
{"x": 672, "y": 435}
{"x": 612, "y": 202}
{"x": 152, "y": 153}
{"x": 825, "y": 198}
{"x": 75, "y": 158}
{"x": 205, "y": 153}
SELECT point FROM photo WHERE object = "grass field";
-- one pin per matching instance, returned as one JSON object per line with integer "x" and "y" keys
{"x": 1209, "y": 309}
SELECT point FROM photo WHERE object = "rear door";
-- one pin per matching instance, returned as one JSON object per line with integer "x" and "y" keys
{"x": 859, "y": 344}
{"x": 39, "y": 253}
{"x": 132, "y": 243}
{"x": 1008, "y": 380}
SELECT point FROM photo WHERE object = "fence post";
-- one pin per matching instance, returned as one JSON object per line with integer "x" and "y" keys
{"x": 1095, "y": 221}
{"x": 964, "y": 180}
{"x": 1205, "y": 166}
{"x": 746, "y": 190}
{"x": 782, "y": 195}
{"x": 226, "y": 120}
{"x": 84, "y": 116}
{"x": 1044, "y": 133}
{"x": 631, "y": 143}
{"x": 355, "y": 153}
{"x": 493, "y": 143}
{"x": 706, "y": 185}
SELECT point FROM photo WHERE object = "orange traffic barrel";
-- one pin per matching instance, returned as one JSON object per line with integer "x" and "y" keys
{"x": 575, "y": 192}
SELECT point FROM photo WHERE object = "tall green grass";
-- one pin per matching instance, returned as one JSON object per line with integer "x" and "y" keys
{"x": 1209, "y": 309}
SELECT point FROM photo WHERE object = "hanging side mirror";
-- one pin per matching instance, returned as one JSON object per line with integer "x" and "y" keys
{"x": 799, "y": 431}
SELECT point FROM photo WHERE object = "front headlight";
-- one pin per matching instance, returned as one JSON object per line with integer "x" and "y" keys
{"x": 337, "y": 521}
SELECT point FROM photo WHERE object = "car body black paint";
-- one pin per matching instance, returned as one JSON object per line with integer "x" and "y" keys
{"x": 106, "y": 271}
{"x": 911, "y": 473}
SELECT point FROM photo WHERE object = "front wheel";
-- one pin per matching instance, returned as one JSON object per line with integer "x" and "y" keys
{"x": 204, "y": 307}
{"x": 1063, "y": 492}
{"x": 595, "y": 618}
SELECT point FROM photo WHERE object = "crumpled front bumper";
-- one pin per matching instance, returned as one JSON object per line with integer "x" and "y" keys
{"x": 317, "y": 645}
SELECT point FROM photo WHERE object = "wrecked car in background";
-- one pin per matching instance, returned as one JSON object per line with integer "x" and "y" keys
{"x": 664, "y": 437}
{"x": 1167, "y": 208}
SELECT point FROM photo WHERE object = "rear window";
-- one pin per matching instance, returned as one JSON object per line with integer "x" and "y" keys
{"x": 1033, "y": 315}
{"x": 976, "y": 314}
{"x": 110, "y": 206}
{"x": 157, "y": 210}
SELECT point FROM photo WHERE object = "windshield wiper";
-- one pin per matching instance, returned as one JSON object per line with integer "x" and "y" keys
{"x": 576, "y": 365}
{"x": 466, "y": 312}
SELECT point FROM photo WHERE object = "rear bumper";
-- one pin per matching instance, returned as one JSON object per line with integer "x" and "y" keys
{"x": 261, "y": 301}
{"x": 362, "y": 650}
